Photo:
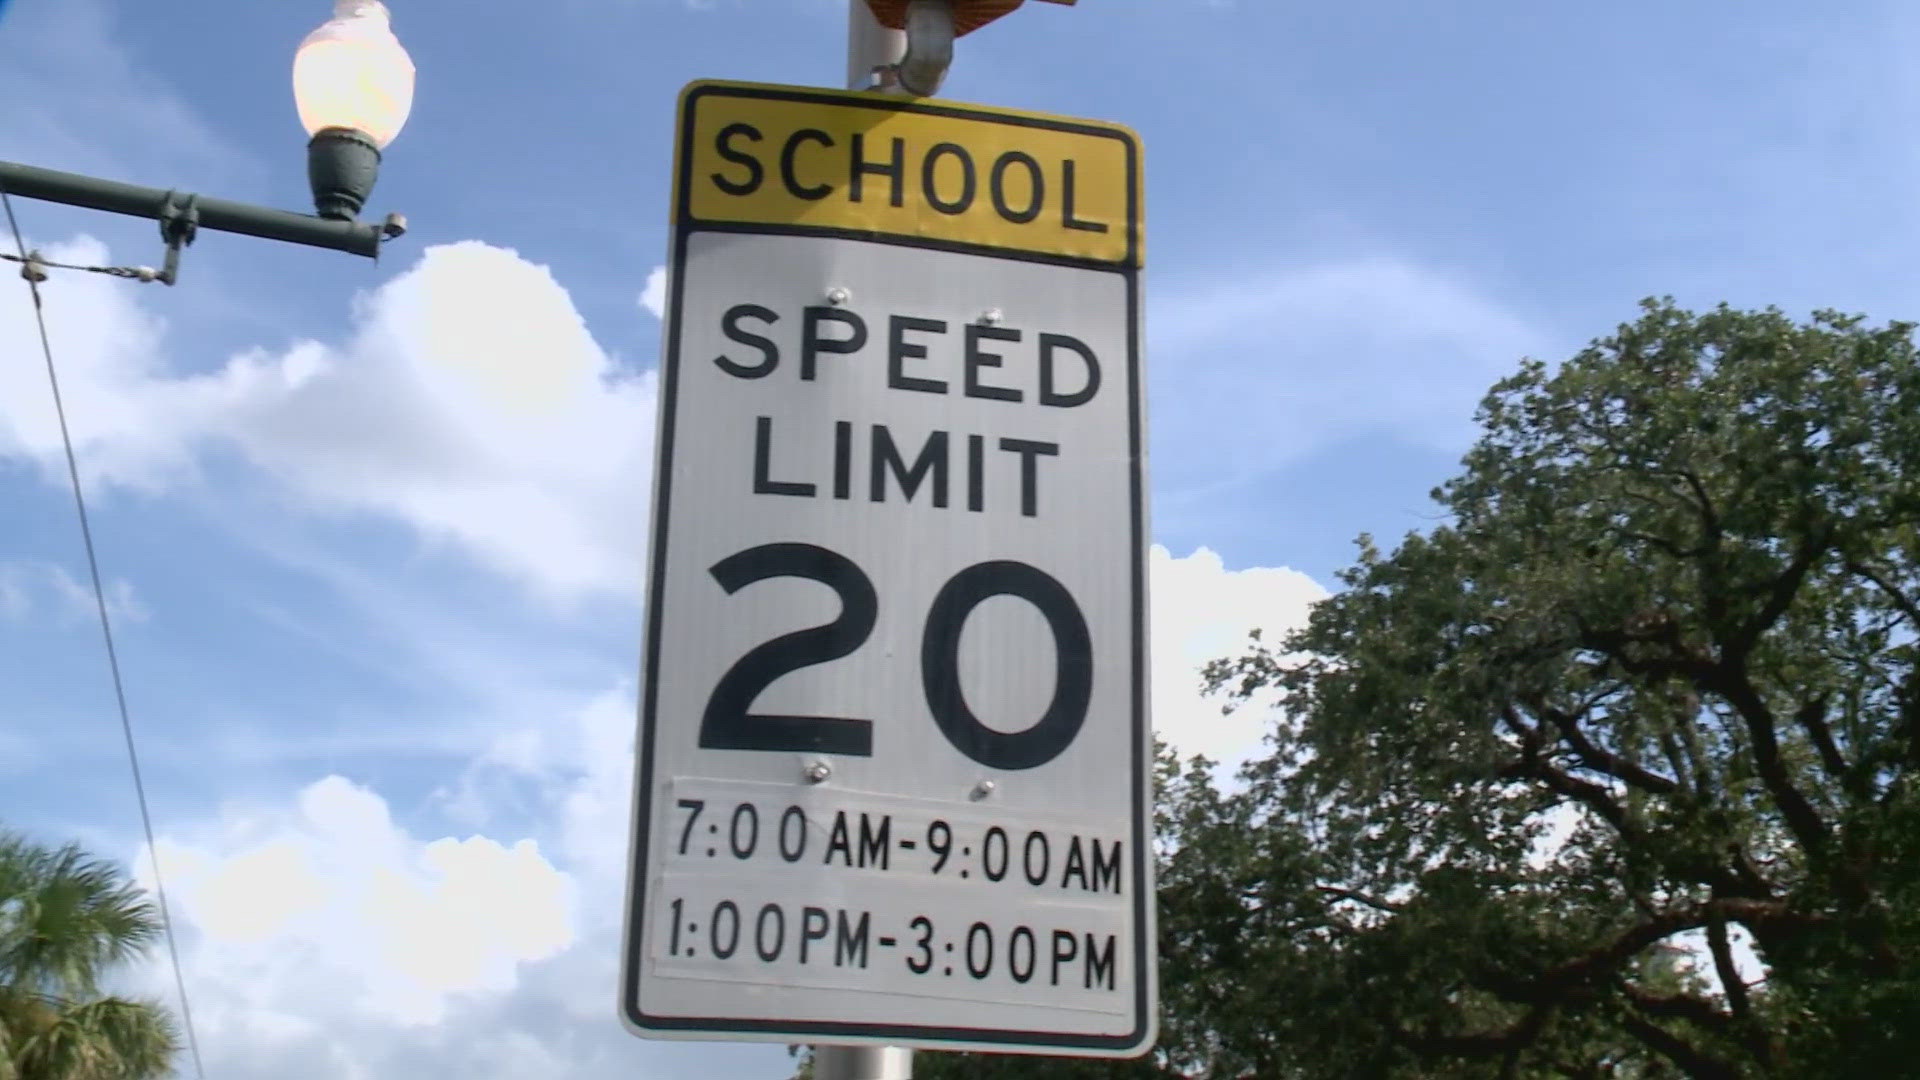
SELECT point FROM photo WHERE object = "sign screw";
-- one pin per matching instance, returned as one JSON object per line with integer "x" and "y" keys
{"x": 817, "y": 772}
{"x": 838, "y": 296}
{"x": 992, "y": 316}
{"x": 982, "y": 789}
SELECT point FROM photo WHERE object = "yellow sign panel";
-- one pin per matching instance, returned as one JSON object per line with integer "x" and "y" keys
{"x": 867, "y": 164}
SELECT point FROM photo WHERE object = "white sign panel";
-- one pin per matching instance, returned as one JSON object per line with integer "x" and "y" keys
{"x": 894, "y": 776}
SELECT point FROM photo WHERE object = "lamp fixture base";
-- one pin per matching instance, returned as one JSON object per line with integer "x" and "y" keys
{"x": 342, "y": 165}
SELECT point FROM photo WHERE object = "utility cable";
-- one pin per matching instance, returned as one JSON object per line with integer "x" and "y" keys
{"x": 29, "y": 261}
{"x": 29, "y": 271}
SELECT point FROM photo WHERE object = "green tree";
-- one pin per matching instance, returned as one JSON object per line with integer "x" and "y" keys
{"x": 65, "y": 920}
{"x": 1672, "y": 612}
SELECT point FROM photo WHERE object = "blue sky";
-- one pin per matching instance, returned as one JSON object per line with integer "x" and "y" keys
{"x": 379, "y": 622}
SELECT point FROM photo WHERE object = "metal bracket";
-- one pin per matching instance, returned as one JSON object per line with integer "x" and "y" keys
{"x": 928, "y": 27}
{"x": 179, "y": 217}
{"x": 930, "y": 34}
{"x": 179, "y": 223}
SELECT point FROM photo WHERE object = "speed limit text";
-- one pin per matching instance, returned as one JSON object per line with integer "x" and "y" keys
{"x": 874, "y": 462}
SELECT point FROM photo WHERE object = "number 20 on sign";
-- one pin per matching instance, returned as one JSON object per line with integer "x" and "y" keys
{"x": 893, "y": 777}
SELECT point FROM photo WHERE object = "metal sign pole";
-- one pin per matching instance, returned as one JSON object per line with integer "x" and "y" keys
{"x": 862, "y": 1063}
{"x": 870, "y": 47}
{"x": 873, "y": 54}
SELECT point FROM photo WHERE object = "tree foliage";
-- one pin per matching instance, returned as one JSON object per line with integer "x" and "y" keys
{"x": 1609, "y": 775}
{"x": 65, "y": 920}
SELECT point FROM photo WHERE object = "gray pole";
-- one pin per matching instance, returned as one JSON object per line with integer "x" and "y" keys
{"x": 874, "y": 58}
{"x": 354, "y": 237}
{"x": 870, "y": 47}
{"x": 862, "y": 1063}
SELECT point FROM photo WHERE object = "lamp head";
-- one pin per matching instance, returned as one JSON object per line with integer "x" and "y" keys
{"x": 353, "y": 86}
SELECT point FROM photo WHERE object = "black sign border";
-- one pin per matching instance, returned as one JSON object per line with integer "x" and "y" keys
{"x": 633, "y": 953}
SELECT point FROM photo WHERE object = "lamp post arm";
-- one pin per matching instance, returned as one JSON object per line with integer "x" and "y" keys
{"x": 73, "y": 189}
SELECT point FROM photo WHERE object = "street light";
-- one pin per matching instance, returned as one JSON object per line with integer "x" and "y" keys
{"x": 353, "y": 87}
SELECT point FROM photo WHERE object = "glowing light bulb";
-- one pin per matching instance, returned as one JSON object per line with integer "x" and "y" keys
{"x": 352, "y": 73}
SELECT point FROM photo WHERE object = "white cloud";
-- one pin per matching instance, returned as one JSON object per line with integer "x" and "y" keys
{"x": 1201, "y": 612}
{"x": 654, "y": 296}
{"x": 327, "y": 906}
{"x": 469, "y": 402}
{"x": 584, "y": 765}
{"x": 14, "y": 602}
{"x": 472, "y": 403}
{"x": 27, "y": 588}
{"x": 133, "y": 423}
{"x": 323, "y": 939}
{"x": 1255, "y": 372}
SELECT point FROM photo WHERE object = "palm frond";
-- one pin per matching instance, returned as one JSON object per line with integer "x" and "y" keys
{"x": 65, "y": 917}
{"x": 104, "y": 1039}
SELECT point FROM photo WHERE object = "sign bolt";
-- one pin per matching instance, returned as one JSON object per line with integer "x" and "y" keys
{"x": 992, "y": 316}
{"x": 838, "y": 296}
{"x": 982, "y": 789}
{"x": 817, "y": 772}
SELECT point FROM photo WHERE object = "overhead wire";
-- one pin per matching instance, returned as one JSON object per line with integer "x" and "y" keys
{"x": 29, "y": 262}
